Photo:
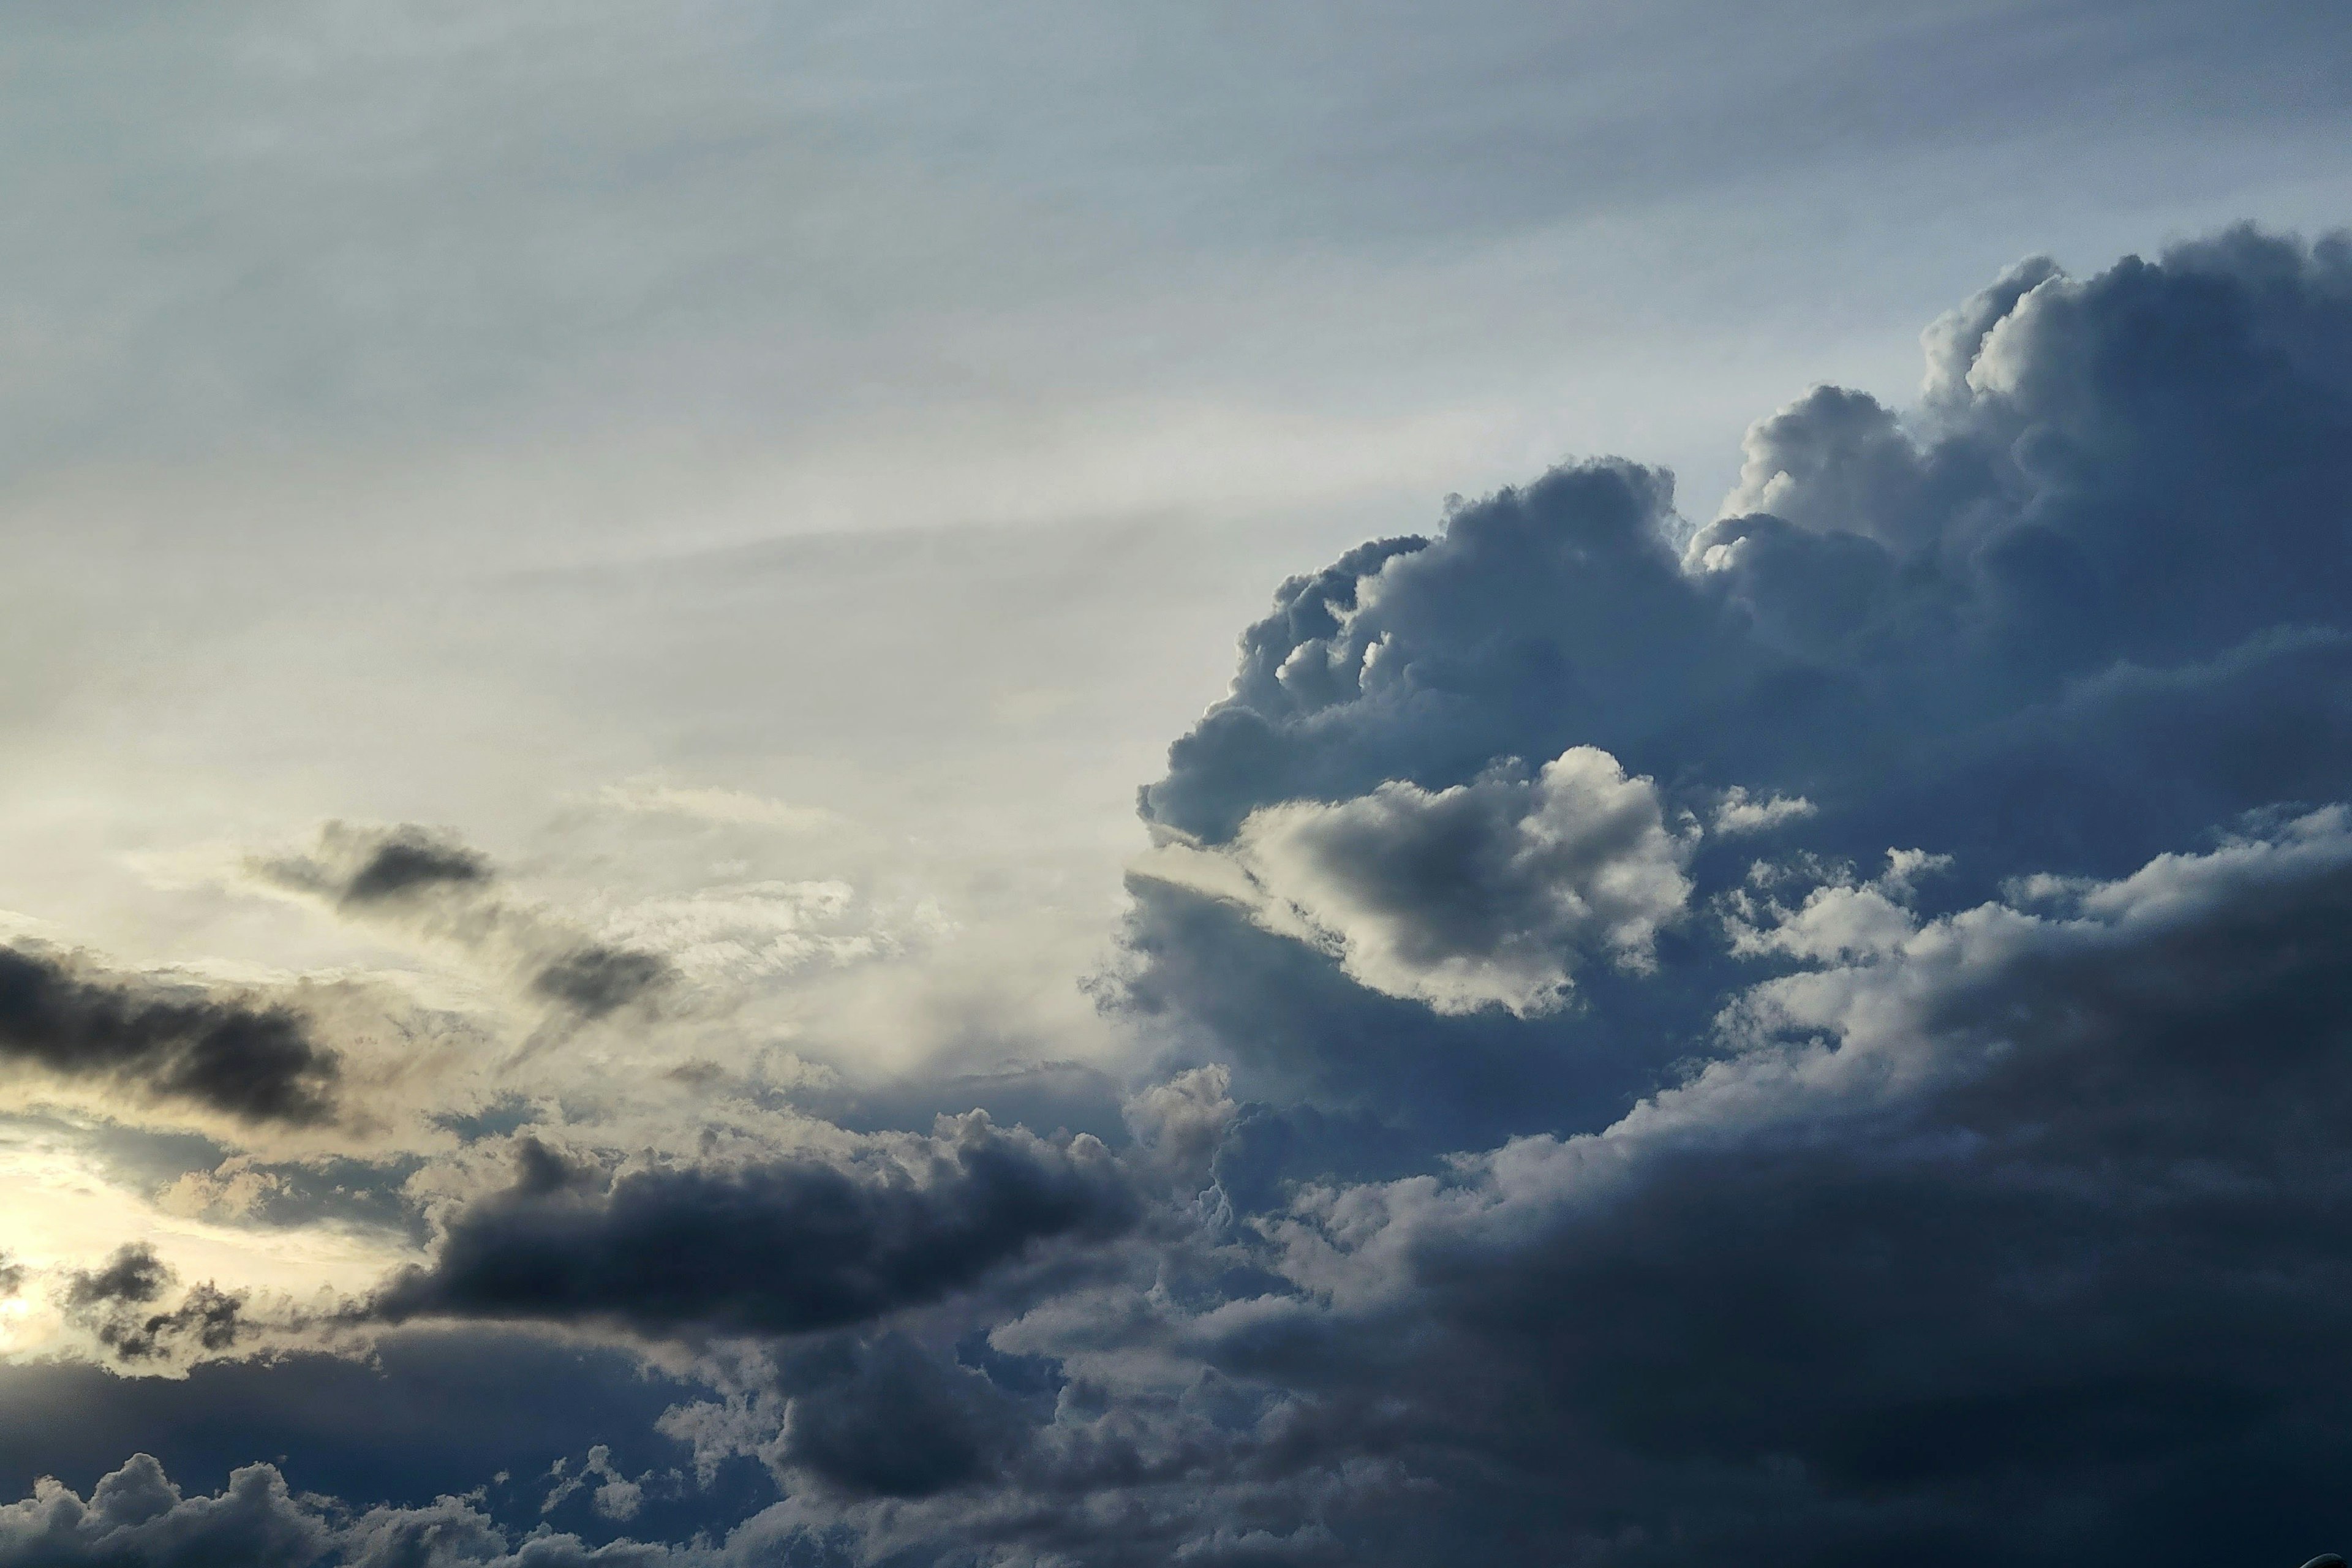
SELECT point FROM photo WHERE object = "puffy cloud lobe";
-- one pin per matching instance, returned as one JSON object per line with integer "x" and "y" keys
{"x": 250, "y": 1060}
{"x": 1485, "y": 894}
{"x": 2084, "y": 603}
{"x": 135, "y": 1518}
{"x": 2144, "y": 469}
{"x": 887, "y": 1419}
{"x": 1542, "y": 618}
{"x": 778, "y": 1247}
{"x": 2006, "y": 1238}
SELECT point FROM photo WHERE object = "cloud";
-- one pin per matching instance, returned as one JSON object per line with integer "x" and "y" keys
{"x": 418, "y": 879}
{"x": 2082, "y": 604}
{"x": 136, "y": 1518}
{"x": 1739, "y": 813}
{"x": 778, "y": 1247}
{"x": 614, "y": 1495}
{"x": 406, "y": 861}
{"x": 1486, "y": 894}
{"x": 245, "y": 1059}
{"x": 1946, "y": 851}
{"x": 2028, "y": 1204}
{"x": 111, "y": 1302}
{"x": 886, "y": 1419}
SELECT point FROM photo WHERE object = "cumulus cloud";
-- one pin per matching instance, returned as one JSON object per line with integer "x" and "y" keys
{"x": 1942, "y": 1159}
{"x": 1486, "y": 894}
{"x": 136, "y": 1518}
{"x": 113, "y": 1302}
{"x": 2082, "y": 604}
{"x": 886, "y": 1419}
{"x": 777, "y": 1247}
{"x": 2025, "y": 1203}
{"x": 246, "y": 1058}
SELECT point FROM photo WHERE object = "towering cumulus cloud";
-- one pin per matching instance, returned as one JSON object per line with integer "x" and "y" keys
{"x": 1819, "y": 1037}
{"x": 2083, "y": 604}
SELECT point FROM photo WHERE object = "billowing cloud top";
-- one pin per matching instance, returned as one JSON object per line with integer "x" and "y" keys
{"x": 1818, "y": 1035}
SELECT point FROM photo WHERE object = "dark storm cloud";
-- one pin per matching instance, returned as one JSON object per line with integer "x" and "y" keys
{"x": 245, "y": 1059}
{"x": 887, "y": 1419}
{"x": 779, "y": 1247}
{"x": 2010, "y": 1242}
{"x": 2088, "y": 600}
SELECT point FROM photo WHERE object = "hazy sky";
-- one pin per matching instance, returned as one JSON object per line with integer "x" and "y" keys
{"x": 590, "y": 590}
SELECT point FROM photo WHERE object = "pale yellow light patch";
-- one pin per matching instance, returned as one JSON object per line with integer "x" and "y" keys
{"x": 64, "y": 1215}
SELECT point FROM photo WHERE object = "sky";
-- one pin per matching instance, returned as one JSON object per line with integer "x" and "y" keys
{"x": 1216, "y": 785}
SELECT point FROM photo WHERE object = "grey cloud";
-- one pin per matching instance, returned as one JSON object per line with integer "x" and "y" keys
{"x": 246, "y": 1058}
{"x": 777, "y": 1248}
{"x": 2003, "y": 1237}
{"x": 431, "y": 882}
{"x": 887, "y": 1419}
{"x": 1489, "y": 893}
{"x": 595, "y": 979}
{"x": 2042, "y": 1222}
{"x": 407, "y": 860}
{"x": 136, "y": 1518}
{"x": 134, "y": 1274}
{"x": 1991, "y": 1214}
{"x": 2085, "y": 602}
{"x": 426, "y": 1413}
{"x": 112, "y": 1301}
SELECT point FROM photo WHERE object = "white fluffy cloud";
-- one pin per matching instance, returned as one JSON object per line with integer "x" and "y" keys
{"x": 1488, "y": 894}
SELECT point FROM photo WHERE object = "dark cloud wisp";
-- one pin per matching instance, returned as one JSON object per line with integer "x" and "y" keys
{"x": 113, "y": 1302}
{"x": 254, "y": 1061}
{"x": 430, "y": 881}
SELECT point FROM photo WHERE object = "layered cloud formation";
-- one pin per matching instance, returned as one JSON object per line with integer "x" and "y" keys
{"x": 1818, "y": 1035}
